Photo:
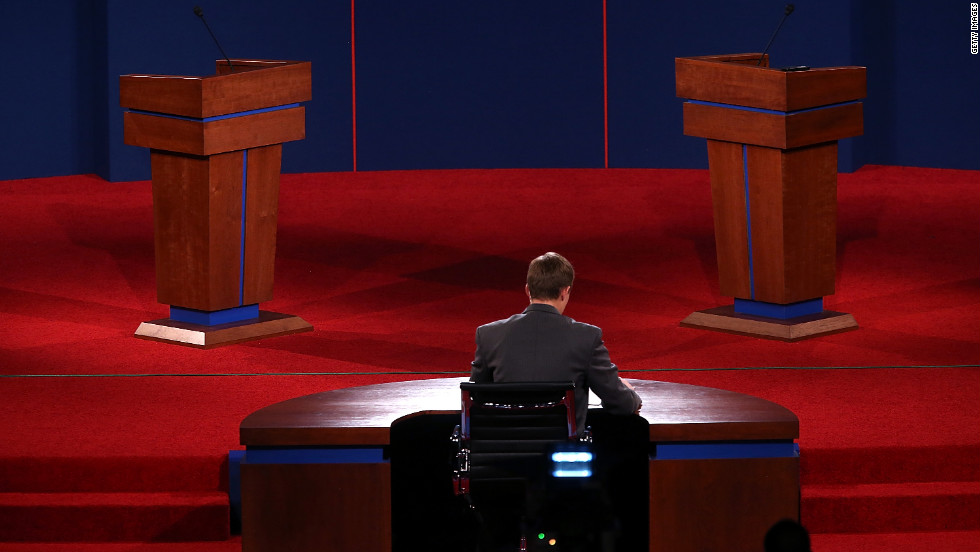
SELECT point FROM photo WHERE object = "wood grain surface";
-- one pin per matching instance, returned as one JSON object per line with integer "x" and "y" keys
{"x": 363, "y": 415}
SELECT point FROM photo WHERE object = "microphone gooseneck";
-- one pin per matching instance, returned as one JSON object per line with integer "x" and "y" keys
{"x": 786, "y": 11}
{"x": 200, "y": 13}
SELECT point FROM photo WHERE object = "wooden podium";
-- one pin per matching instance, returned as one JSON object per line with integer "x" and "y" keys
{"x": 215, "y": 149}
{"x": 772, "y": 152}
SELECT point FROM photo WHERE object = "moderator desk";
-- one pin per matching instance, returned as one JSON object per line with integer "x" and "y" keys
{"x": 316, "y": 474}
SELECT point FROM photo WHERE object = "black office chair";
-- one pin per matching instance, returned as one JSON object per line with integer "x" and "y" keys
{"x": 506, "y": 439}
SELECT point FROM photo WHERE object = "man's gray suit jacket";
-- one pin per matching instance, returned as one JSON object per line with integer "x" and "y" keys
{"x": 540, "y": 344}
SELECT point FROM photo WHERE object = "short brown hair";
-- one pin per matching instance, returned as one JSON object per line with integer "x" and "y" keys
{"x": 548, "y": 274}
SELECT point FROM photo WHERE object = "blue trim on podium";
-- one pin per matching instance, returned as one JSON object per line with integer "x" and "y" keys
{"x": 216, "y": 117}
{"x": 770, "y": 111}
{"x": 315, "y": 455}
{"x": 235, "y": 458}
{"x": 726, "y": 450}
{"x": 213, "y": 318}
{"x": 782, "y": 312}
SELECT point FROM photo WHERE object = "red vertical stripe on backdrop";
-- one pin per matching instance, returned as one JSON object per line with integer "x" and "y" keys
{"x": 353, "y": 86}
{"x": 605, "y": 84}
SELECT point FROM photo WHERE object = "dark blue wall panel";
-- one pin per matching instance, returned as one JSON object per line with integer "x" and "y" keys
{"x": 444, "y": 84}
{"x": 52, "y": 119}
{"x": 509, "y": 83}
{"x": 923, "y": 84}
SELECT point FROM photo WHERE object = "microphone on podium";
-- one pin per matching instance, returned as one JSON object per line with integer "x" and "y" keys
{"x": 786, "y": 11}
{"x": 200, "y": 13}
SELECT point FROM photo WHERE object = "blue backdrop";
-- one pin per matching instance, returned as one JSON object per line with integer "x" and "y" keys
{"x": 502, "y": 84}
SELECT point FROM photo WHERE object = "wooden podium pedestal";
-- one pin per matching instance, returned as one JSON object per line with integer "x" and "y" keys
{"x": 725, "y": 319}
{"x": 267, "y": 324}
{"x": 215, "y": 149}
{"x": 772, "y": 152}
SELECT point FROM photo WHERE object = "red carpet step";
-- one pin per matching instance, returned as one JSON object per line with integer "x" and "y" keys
{"x": 879, "y": 508}
{"x": 888, "y": 489}
{"x": 946, "y": 541}
{"x": 837, "y": 466}
{"x": 233, "y": 544}
{"x": 105, "y": 517}
{"x": 114, "y": 498}
{"x": 113, "y": 474}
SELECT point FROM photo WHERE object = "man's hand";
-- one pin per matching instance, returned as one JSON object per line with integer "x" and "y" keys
{"x": 627, "y": 384}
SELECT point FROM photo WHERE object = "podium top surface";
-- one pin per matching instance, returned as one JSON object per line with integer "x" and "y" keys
{"x": 736, "y": 79}
{"x": 246, "y": 85}
{"x": 363, "y": 415}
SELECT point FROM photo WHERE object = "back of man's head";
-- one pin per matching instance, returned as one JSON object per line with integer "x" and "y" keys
{"x": 787, "y": 536}
{"x": 548, "y": 274}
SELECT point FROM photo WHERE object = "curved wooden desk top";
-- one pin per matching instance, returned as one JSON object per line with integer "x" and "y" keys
{"x": 363, "y": 415}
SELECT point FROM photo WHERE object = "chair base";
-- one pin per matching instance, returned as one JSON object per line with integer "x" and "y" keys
{"x": 725, "y": 319}
{"x": 268, "y": 324}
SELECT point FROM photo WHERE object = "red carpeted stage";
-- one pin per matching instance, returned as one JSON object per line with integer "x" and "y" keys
{"x": 110, "y": 439}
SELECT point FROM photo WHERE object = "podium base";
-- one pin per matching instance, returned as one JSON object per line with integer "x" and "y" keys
{"x": 725, "y": 319}
{"x": 268, "y": 324}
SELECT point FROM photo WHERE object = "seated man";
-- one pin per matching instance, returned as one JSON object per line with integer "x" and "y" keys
{"x": 541, "y": 344}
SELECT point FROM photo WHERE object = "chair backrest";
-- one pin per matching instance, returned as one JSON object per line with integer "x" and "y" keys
{"x": 507, "y": 429}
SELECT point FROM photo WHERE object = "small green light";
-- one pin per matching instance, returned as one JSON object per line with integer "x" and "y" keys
{"x": 540, "y": 536}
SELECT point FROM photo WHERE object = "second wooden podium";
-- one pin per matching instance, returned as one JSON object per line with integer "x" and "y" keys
{"x": 215, "y": 152}
{"x": 772, "y": 152}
